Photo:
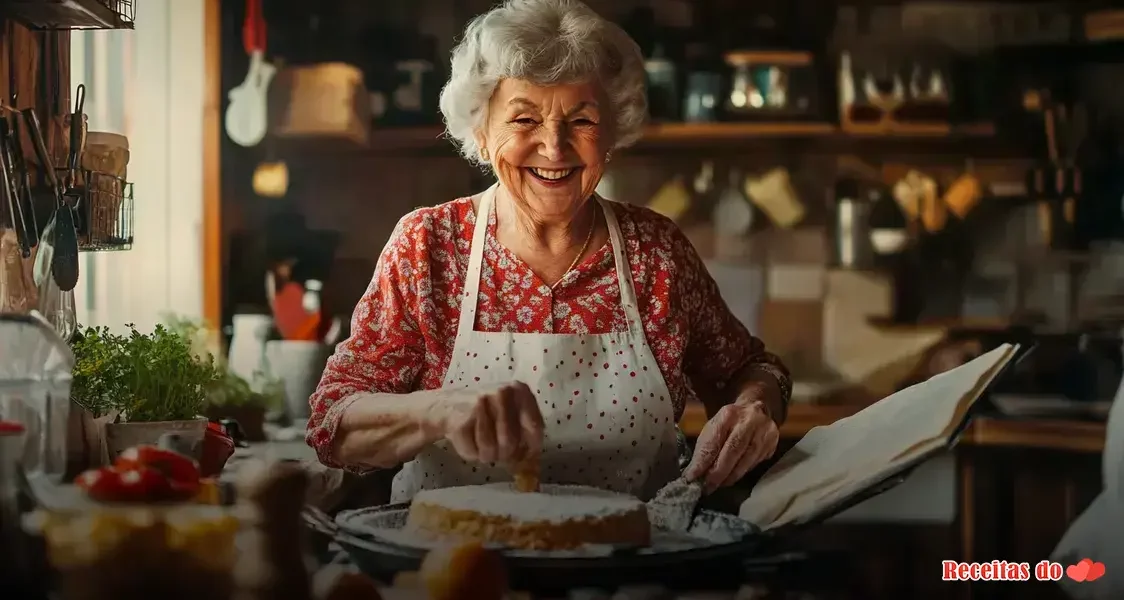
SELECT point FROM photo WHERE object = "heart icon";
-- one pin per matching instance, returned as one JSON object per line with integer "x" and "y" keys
{"x": 1080, "y": 571}
{"x": 1096, "y": 571}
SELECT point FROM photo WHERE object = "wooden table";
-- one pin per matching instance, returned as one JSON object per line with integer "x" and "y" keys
{"x": 1020, "y": 483}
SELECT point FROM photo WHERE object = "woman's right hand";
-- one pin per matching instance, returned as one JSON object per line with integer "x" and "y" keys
{"x": 500, "y": 424}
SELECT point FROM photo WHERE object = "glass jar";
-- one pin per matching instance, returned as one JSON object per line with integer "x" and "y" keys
{"x": 35, "y": 376}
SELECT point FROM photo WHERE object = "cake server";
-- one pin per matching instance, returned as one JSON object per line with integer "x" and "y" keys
{"x": 673, "y": 507}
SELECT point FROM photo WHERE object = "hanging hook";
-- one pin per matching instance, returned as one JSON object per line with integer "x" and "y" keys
{"x": 80, "y": 99}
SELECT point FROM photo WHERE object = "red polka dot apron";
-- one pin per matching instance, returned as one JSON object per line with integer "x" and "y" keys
{"x": 608, "y": 414}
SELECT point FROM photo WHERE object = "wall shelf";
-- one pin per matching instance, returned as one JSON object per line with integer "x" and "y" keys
{"x": 664, "y": 138}
{"x": 72, "y": 14}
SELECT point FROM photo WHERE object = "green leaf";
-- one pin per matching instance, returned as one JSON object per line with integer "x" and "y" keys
{"x": 148, "y": 377}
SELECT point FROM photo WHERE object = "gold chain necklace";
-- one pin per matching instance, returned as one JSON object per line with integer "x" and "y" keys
{"x": 588, "y": 237}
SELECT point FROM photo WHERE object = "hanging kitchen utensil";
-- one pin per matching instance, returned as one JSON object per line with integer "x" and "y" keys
{"x": 327, "y": 101}
{"x": 775, "y": 195}
{"x": 64, "y": 264}
{"x": 733, "y": 214}
{"x": 964, "y": 193}
{"x": 11, "y": 144}
{"x": 56, "y": 306}
{"x": 14, "y": 204}
{"x": 852, "y": 245}
{"x": 21, "y": 179}
{"x": 246, "y": 117}
{"x": 672, "y": 200}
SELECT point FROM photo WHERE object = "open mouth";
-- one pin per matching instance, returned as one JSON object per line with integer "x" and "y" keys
{"x": 552, "y": 176}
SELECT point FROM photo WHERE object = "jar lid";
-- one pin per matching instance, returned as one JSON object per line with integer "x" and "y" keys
{"x": 10, "y": 427}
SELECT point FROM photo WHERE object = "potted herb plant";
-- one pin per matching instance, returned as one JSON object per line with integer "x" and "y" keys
{"x": 231, "y": 396}
{"x": 155, "y": 383}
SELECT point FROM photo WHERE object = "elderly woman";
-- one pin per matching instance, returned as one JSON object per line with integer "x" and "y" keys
{"x": 536, "y": 319}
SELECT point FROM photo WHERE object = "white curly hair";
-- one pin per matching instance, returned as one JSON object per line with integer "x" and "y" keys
{"x": 545, "y": 42}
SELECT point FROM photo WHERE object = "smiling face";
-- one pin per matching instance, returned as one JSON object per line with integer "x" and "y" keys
{"x": 547, "y": 144}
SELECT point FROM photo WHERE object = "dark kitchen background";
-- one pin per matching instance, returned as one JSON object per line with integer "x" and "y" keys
{"x": 881, "y": 189}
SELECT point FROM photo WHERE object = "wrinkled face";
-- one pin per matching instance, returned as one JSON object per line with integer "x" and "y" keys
{"x": 547, "y": 144}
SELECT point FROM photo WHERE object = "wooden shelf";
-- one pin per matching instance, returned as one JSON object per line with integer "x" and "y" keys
{"x": 823, "y": 138}
{"x": 982, "y": 324}
{"x": 689, "y": 132}
{"x": 72, "y": 14}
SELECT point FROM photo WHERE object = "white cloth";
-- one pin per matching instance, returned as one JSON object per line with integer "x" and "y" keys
{"x": 1098, "y": 533}
{"x": 609, "y": 418}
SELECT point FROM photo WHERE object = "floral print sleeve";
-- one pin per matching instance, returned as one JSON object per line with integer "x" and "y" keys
{"x": 386, "y": 347}
{"x": 718, "y": 346}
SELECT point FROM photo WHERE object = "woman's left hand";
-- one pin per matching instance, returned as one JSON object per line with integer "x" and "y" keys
{"x": 735, "y": 440}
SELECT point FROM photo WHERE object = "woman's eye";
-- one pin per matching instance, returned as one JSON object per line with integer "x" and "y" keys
{"x": 584, "y": 121}
{"x": 524, "y": 121}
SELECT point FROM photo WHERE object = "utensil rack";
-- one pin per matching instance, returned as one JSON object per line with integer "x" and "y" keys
{"x": 104, "y": 214}
{"x": 71, "y": 14}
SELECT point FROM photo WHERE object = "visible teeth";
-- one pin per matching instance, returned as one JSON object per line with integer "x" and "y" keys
{"x": 552, "y": 173}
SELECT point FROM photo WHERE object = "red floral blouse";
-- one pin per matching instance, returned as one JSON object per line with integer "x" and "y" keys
{"x": 403, "y": 329}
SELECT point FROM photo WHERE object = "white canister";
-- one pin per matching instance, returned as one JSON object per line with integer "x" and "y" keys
{"x": 246, "y": 357}
{"x": 298, "y": 364}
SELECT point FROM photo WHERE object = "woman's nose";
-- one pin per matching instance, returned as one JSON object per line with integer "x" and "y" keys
{"x": 553, "y": 144}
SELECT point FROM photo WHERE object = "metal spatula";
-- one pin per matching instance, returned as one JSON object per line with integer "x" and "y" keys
{"x": 673, "y": 507}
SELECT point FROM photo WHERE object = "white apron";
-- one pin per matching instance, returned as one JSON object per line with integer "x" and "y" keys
{"x": 609, "y": 418}
{"x": 1099, "y": 532}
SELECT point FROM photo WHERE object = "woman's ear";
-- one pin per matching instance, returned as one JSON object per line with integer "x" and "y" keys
{"x": 482, "y": 145}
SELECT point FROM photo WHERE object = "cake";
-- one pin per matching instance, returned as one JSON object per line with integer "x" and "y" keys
{"x": 557, "y": 517}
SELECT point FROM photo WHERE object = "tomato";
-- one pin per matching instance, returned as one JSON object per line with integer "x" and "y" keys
{"x": 101, "y": 484}
{"x": 182, "y": 472}
{"x": 143, "y": 484}
{"x": 134, "y": 484}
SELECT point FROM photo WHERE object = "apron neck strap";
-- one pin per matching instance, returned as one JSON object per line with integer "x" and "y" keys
{"x": 484, "y": 213}
{"x": 624, "y": 273}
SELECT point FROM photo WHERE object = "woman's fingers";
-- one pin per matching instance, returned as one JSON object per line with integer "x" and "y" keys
{"x": 486, "y": 429}
{"x": 530, "y": 423}
{"x": 762, "y": 445}
{"x": 463, "y": 439}
{"x": 768, "y": 444}
{"x": 507, "y": 424}
{"x": 736, "y": 447}
{"x": 708, "y": 446}
{"x": 503, "y": 426}
{"x": 745, "y": 463}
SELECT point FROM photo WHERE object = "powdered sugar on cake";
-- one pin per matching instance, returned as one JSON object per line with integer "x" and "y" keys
{"x": 552, "y": 503}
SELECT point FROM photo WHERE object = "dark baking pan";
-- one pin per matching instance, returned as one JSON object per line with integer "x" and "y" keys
{"x": 725, "y": 553}
{"x": 367, "y": 535}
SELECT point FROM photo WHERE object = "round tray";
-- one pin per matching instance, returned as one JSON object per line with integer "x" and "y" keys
{"x": 714, "y": 550}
